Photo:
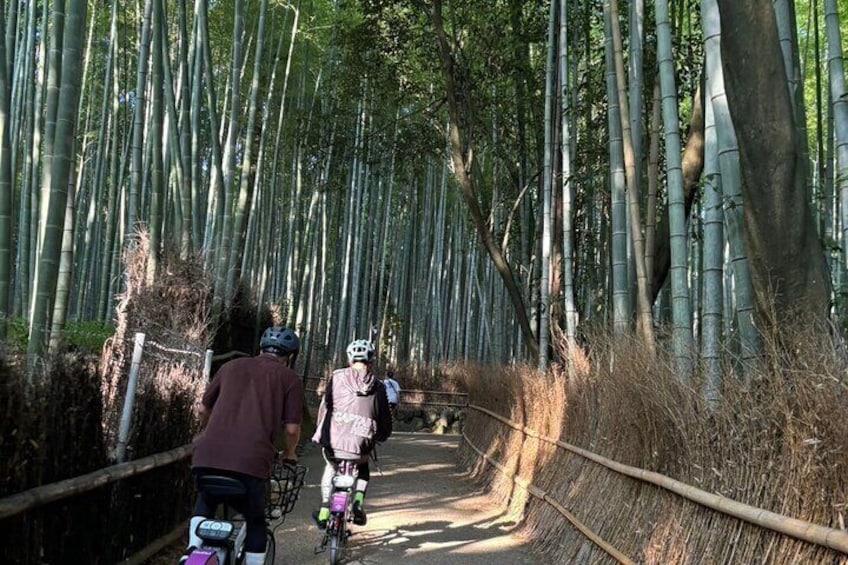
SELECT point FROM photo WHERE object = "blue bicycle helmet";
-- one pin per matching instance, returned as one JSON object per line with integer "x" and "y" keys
{"x": 279, "y": 340}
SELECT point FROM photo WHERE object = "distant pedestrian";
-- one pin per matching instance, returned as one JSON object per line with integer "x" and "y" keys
{"x": 392, "y": 391}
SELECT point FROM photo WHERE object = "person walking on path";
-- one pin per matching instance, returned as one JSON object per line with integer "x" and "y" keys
{"x": 352, "y": 418}
{"x": 392, "y": 391}
{"x": 241, "y": 413}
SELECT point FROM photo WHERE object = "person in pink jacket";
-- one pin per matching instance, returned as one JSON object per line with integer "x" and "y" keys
{"x": 353, "y": 417}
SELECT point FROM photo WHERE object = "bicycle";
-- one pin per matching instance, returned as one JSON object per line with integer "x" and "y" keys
{"x": 338, "y": 528}
{"x": 223, "y": 539}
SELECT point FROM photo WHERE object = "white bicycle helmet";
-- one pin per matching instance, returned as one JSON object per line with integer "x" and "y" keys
{"x": 360, "y": 350}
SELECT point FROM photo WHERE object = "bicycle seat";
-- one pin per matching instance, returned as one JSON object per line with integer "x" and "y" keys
{"x": 221, "y": 485}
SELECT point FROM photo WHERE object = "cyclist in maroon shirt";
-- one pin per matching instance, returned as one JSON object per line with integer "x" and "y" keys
{"x": 241, "y": 413}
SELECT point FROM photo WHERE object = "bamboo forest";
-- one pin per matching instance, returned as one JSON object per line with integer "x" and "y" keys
{"x": 470, "y": 183}
{"x": 590, "y": 194}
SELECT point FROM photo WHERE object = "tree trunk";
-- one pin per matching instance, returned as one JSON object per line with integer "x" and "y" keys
{"x": 728, "y": 159}
{"x": 566, "y": 151}
{"x": 644, "y": 316}
{"x": 136, "y": 172}
{"x": 839, "y": 97}
{"x": 693, "y": 165}
{"x": 5, "y": 192}
{"x": 465, "y": 165}
{"x": 621, "y": 306}
{"x": 59, "y": 180}
{"x": 787, "y": 262}
{"x": 713, "y": 263}
{"x": 547, "y": 190}
{"x": 677, "y": 213}
{"x": 224, "y": 285}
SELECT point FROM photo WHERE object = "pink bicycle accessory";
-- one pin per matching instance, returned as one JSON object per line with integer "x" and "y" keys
{"x": 202, "y": 557}
{"x": 338, "y": 502}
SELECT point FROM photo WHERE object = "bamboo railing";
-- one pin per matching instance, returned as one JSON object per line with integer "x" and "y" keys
{"x": 813, "y": 533}
{"x": 416, "y": 398}
{"x": 38, "y": 496}
{"x": 542, "y": 495}
{"x": 793, "y": 527}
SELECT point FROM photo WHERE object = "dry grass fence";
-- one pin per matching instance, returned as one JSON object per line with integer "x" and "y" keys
{"x": 779, "y": 443}
{"x": 65, "y": 425}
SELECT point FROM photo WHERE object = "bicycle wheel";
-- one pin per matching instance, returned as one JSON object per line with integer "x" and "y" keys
{"x": 338, "y": 538}
{"x": 336, "y": 547}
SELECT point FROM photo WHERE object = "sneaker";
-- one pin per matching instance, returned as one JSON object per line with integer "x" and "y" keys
{"x": 359, "y": 517}
{"x": 316, "y": 516}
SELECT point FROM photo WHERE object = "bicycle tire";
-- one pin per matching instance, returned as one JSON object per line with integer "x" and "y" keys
{"x": 336, "y": 547}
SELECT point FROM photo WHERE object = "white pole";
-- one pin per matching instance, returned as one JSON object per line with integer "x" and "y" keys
{"x": 129, "y": 399}
{"x": 207, "y": 366}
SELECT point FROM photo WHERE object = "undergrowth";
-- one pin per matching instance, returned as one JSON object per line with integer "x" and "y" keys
{"x": 84, "y": 336}
{"x": 776, "y": 439}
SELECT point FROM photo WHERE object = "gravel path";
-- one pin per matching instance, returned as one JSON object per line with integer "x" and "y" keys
{"x": 421, "y": 510}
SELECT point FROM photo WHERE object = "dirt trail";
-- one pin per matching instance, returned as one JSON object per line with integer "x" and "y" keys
{"x": 421, "y": 510}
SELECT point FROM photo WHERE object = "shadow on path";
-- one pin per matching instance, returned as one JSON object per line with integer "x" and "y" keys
{"x": 421, "y": 510}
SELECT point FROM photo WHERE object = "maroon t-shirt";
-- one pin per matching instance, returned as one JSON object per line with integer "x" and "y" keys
{"x": 249, "y": 398}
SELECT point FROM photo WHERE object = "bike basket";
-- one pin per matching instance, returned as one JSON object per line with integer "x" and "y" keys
{"x": 284, "y": 489}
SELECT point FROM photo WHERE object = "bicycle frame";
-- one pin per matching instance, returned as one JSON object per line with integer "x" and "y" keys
{"x": 338, "y": 528}
{"x": 223, "y": 539}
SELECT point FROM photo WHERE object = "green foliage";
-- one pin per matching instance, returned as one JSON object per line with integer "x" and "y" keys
{"x": 812, "y": 46}
{"x": 89, "y": 335}
{"x": 16, "y": 332}
{"x": 85, "y": 336}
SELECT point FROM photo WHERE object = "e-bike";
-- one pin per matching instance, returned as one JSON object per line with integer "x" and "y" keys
{"x": 338, "y": 528}
{"x": 223, "y": 539}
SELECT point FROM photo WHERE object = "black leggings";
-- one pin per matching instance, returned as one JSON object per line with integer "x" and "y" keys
{"x": 251, "y": 506}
